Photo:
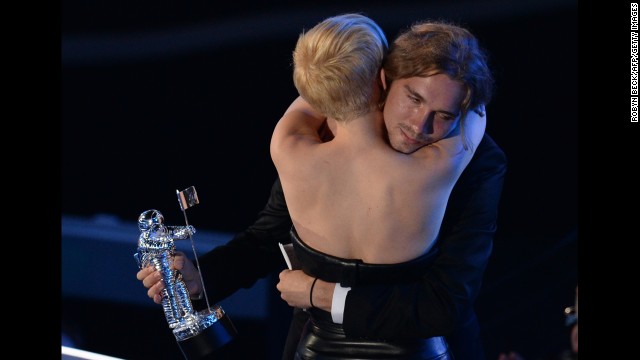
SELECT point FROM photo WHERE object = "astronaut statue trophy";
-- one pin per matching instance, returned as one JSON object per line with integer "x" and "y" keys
{"x": 198, "y": 333}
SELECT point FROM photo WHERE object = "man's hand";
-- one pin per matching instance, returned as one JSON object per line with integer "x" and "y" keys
{"x": 151, "y": 278}
{"x": 295, "y": 288}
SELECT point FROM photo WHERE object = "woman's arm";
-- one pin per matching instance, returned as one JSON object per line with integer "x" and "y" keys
{"x": 300, "y": 125}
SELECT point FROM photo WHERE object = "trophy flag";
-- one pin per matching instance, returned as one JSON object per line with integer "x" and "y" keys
{"x": 187, "y": 198}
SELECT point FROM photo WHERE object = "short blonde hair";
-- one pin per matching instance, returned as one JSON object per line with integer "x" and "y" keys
{"x": 336, "y": 64}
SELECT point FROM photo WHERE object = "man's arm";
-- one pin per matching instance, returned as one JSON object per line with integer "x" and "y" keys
{"x": 451, "y": 284}
{"x": 257, "y": 245}
{"x": 254, "y": 253}
{"x": 251, "y": 254}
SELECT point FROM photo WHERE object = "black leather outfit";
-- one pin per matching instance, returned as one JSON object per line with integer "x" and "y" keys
{"x": 322, "y": 339}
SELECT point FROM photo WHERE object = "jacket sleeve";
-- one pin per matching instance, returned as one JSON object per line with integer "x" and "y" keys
{"x": 251, "y": 254}
{"x": 433, "y": 305}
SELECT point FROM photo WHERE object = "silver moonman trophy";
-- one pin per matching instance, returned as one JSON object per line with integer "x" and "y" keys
{"x": 198, "y": 333}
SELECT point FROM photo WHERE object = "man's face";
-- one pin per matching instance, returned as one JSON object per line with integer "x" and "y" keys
{"x": 422, "y": 110}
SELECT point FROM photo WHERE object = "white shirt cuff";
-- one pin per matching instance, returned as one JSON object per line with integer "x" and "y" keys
{"x": 338, "y": 302}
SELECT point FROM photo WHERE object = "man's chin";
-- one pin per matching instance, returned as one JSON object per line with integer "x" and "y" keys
{"x": 406, "y": 145}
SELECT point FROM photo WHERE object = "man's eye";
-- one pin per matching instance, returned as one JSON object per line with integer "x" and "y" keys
{"x": 414, "y": 99}
{"x": 445, "y": 117}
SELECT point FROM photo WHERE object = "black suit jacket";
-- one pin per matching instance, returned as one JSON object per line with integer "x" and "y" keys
{"x": 440, "y": 304}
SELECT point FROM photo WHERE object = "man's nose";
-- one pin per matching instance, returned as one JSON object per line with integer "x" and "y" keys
{"x": 423, "y": 123}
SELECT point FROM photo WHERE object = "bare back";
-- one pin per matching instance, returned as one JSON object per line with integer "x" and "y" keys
{"x": 356, "y": 197}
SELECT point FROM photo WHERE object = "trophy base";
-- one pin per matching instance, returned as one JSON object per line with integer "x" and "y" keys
{"x": 210, "y": 339}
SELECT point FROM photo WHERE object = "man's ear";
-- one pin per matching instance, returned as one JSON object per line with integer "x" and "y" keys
{"x": 383, "y": 80}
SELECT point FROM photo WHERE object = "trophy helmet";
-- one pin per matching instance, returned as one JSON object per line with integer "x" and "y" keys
{"x": 149, "y": 218}
{"x": 158, "y": 232}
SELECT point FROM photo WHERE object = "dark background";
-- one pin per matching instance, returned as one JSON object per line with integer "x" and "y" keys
{"x": 158, "y": 96}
